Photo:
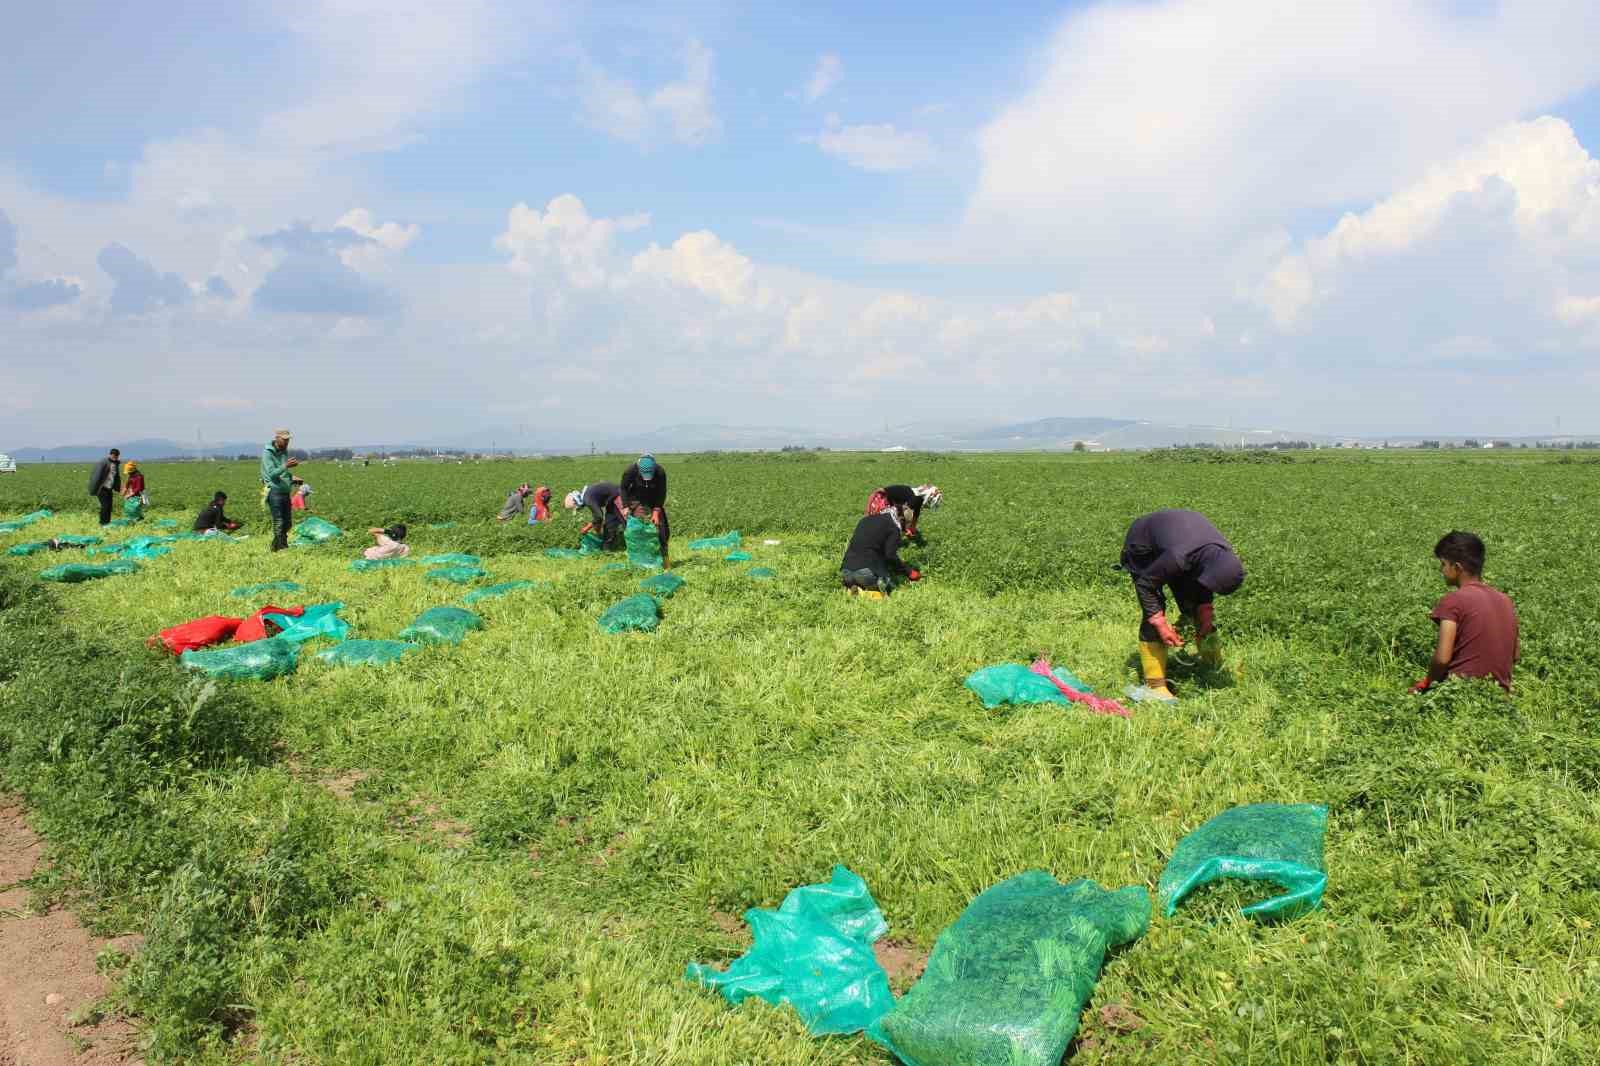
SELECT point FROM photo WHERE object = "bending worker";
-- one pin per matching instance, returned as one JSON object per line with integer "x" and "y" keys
{"x": 644, "y": 487}
{"x": 1183, "y": 551}
{"x": 604, "y": 501}
{"x": 903, "y": 496}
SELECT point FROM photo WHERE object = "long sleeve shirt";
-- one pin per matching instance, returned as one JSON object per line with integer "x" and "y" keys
{"x": 211, "y": 518}
{"x": 275, "y": 469}
{"x": 635, "y": 489}
{"x": 601, "y": 499}
{"x": 875, "y": 546}
{"x": 106, "y": 475}
{"x": 1181, "y": 550}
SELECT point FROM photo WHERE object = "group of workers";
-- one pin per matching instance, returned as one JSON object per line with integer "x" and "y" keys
{"x": 1179, "y": 551}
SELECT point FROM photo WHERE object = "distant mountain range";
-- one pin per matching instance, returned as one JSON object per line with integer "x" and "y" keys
{"x": 1043, "y": 434}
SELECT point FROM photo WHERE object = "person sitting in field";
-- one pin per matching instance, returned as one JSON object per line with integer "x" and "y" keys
{"x": 300, "y": 498}
{"x": 540, "y": 511}
{"x": 872, "y": 558}
{"x": 1477, "y": 622}
{"x": 212, "y": 519}
{"x": 513, "y": 505}
{"x": 390, "y": 543}
{"x": 606, "y": 517}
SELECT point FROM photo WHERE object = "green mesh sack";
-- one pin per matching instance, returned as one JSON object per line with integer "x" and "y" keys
{"x": 133, "y": 507}
{"x": 590, "y": 543}
{"x": 442, "y": 625}
{"x": 28, "y": 549}
{"x": 72, "y": 573}
{"x": 265, "y": 587}
{"x": 456, "y": 575}
{"x": 643, "y": 541}
{"x": 441, "y": 525}
{"x": 1015, "y": 683}
{"x": 318, "y": 620}
{"x": 638, "y": 612}
{"x": 120, "y": 522}
{"x": 662, "y": 586}
{"x": 494, "y": 592}
{"x": 165, "y": 523}
{"x": 727, "y": 540}
{"x": 611, "y": 568}
{"x": 259, "y": 660}
{"x": 314, "y": 530}
{"x": 361, "y": 566}
{"x": 762, "y": 573}
{"x": 452, "y": 559}
{"x": 563, "y": 553}
{"x": 1276, "y": 842}
{"x": 77, "y": 542}
{"x": 815, "y": 954}
{"x": 737, "y": 557}
{"x": 14, "y": 525}
{"x": 1006, "y": 982}
{"x": 366, "y": 652}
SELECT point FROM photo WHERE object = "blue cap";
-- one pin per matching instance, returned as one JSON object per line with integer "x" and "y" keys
{"x": 647, "y": 467}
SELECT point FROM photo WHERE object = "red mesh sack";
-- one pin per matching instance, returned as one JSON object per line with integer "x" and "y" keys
{"x": 200, "y": 633}
{"x": 256, "y": 627}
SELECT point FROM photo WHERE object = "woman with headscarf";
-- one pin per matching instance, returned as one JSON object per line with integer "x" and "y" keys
{"x": 540, "y": 511}
{"x": 644, "y": 495}
{"x": 604, "y": 501}
{"x": 134, "y": 498}
{"x": 513, "y": 505}
{"x": 872, "y": 558}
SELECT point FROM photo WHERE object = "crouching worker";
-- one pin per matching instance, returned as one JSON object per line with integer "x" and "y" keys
{"x": 1477, "y": 622}
{"x": 604, "y": 501}
{"x": 390, "y": 543}
{"x": 212, "y": 519}
{"x": 540, "y": 511}
{"x": 901, "y": 497}
{"x": 1183, "y": 551}
{"x": 513, "y": 504}
{"x": 872, "y": 559}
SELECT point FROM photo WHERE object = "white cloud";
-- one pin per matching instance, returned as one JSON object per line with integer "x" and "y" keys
{"x": 565, "y": 237}
{"x": 681, "y": 110}
{"x": 702, "y": 261}
{"x": 830, "y": 69}
{"x": 879, "y": 147}
{"x": 1192, "y": 120}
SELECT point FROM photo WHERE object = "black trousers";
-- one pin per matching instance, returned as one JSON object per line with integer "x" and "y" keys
{"x": 106, "y": 496}
{"x": 1189, "y": 594}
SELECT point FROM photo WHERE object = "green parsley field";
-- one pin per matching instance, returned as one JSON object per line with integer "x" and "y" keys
{"x": 507, "y": 851}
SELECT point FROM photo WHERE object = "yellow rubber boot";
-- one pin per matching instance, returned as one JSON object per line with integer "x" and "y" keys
{"x": 1153, "y": 664}
{"x": 1211, "y": 649}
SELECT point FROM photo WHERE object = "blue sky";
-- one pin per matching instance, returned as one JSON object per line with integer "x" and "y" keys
{"x": 384, "y": 220}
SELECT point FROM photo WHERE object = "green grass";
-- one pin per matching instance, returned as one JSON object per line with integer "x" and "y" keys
{"x": 544, "y": 819}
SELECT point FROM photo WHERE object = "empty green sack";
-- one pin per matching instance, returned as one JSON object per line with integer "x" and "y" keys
{"x": 1276, "y": 842}
{"x": 21, "y": 522}
{"x": 727, "y": 540}
{"x": 442, "y": 625}
{"x": 1007, "y": 981}
{"x": 456, "y": 575}
{"x": 815, "y": 954}
{"x": 318, "y": 620}
{"x": 762, "y": 573}
{"x": 590, "y": 543}
{"x": 1014, "y": 683}
{"x": 662, "y": 586}
{"x": 266, "y": 586}
{"x": 314, "y": 530}
{"x": 452, "y": 559}
{"x": 737, "y": 557}
{"x": 643, "y": 542}
{"x": 366, "y": 652}
{"x": 496, "y": 591}
{"x": 638, "y": 612}
{"x": 28, "y": 549}
{"x": 362, "y": 566}
{"x": 72, "y": 573}
{"x": 165, "y": 523}
{"x": 259, "y": 660}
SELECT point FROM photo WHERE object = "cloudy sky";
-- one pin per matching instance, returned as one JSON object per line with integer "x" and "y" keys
{"x": 396, "y": 220}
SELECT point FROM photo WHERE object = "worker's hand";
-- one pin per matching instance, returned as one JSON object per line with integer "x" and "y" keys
{"x": 655, "y": 518}
{"x": 913, "y": 575}
{"x": 1421, "y": 686}
{"x": 292, "y": 462}
{"x": 1205, "y": 620}
{"x": 587, "y": 526}
{"x": 1169, "y": 636}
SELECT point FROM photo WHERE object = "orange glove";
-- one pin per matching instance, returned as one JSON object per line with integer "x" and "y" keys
{"x": 587, "y": 526}
{"x": 1205, "y": 621}
{"x": 655, "y": 518}
{"x": 1169, "y": 636}
{"x": 1421, "y": 686}
{"x": 913, "y": 575}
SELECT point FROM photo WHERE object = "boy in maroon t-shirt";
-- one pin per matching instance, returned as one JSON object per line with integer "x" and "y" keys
{"x": 1477, "y": 623}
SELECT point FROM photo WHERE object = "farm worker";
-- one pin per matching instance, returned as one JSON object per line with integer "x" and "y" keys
{"x": 872, "y": 557}
{"x": 212, "y": 519}
{"x": 1183, "y": 551}
{"x": 275, "y": 476}
{"x": 300, "y": 497}
{"x": 902, "y": 496}
{"x": 390, "y": 543}
{"x": 133, "y": 498}
{"x": 1477, "y": 622}
{"x": 540, "y": 511}
{"x": 644, "y": 488}
{"x": 106, "y": 481}
{"x": 604, "y": 501}
{"x": 513, "y": 505}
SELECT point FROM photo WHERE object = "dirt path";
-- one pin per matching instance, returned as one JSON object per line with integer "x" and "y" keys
{"x": 47, "y": 971}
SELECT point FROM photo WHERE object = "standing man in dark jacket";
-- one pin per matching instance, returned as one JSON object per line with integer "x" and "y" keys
{"x": 644, "y": 486}
{"x": 106, "y": 481}
{"x": 603, "y": 500}
{"x": 275, "y": 467}
{"x": 872, "y": 558}
{"x": 1183, "y": 551}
